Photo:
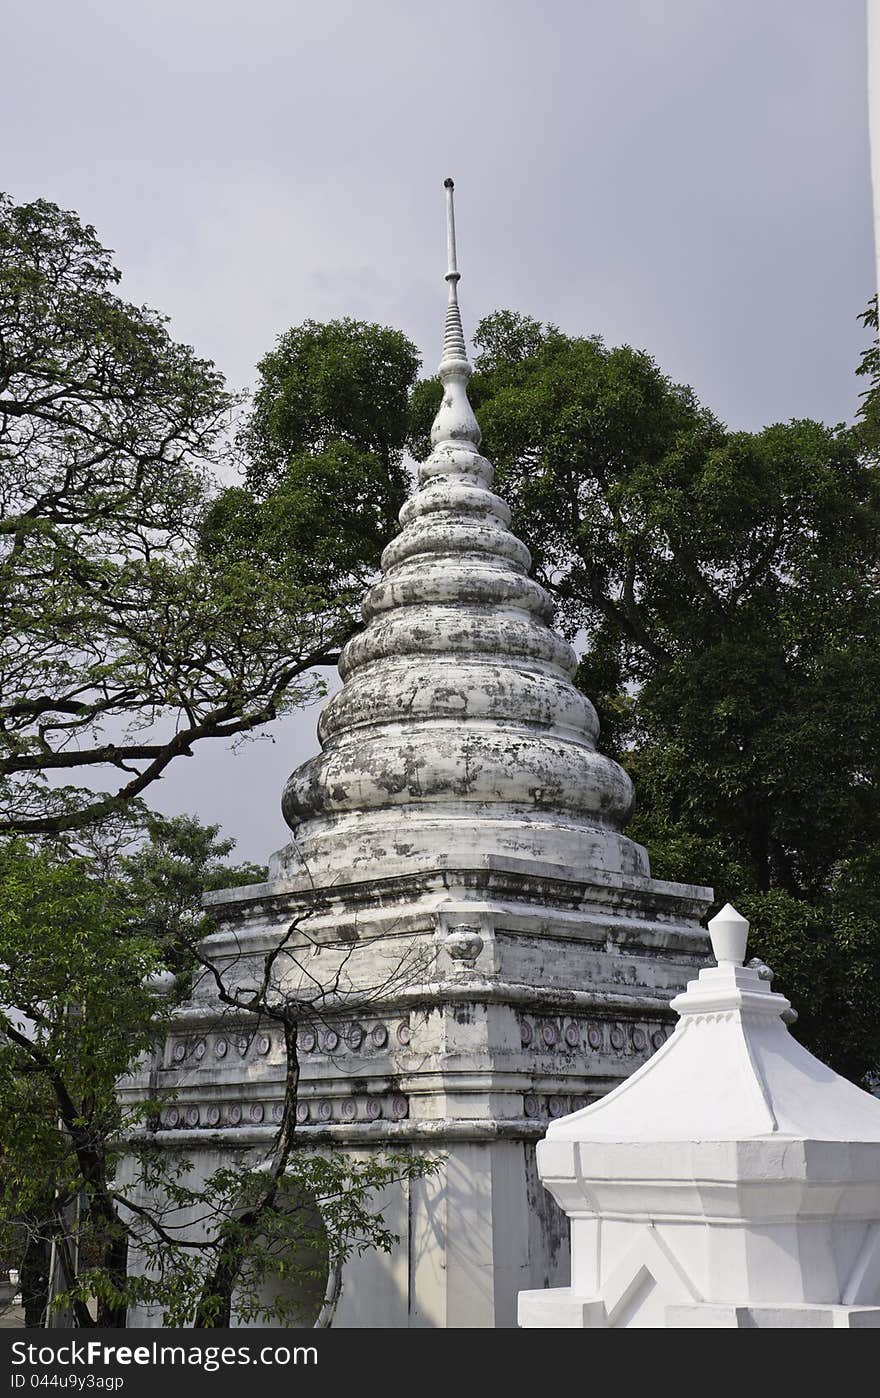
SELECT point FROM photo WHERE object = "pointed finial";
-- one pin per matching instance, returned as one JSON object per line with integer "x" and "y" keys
{"x": 730, "y": 935}
{"x": 453, "y": 339}
{"x": 452, "y": 267}
{"x": 455, "y": 421}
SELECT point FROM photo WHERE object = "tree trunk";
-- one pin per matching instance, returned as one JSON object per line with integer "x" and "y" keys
{"x": 35, "y": 1277}
{"x": 332, "y": 1294}
{"x": 112, "y": 1315}
{"x": 215, "y": 1303}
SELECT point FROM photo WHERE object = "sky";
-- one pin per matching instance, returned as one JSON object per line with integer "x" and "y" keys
{"x": 687, "y": 176}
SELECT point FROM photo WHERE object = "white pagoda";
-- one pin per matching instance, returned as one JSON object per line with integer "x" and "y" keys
{"x": 459, "y": 815}
{"x": 732, "y": 1182}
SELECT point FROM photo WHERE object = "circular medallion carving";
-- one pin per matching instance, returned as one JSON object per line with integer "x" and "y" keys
{"x": 349, "y": 1109}
{"x": 212, "y": 1115}
{"x": 355, "y": 1036}
{"x": 531, "y": 1106}
{"x": 379, "y": 1036}
{"x": 373, "y": 1109}
{"x": 256, "y": 1112}
{"x": 221, "y": 1048}
{"x": 192, "y": 1116}
{"x": 179, "y": 1052}
{"x": 200, "y": 1050}
{"x": 264, "y": 1043}
{"x": 572, "y": 1036}
{"x": 594, "y": 1036}
{"x": 658, "y": 1038}
{"x": 399, "y": 1108}
{"x": 277, "y": 1111}
{"x": 639, "y": 1039}
{"x": 525, "y": 1033}
{"x": 171, "y": 1117}
{"x": 404, "y": 1033}
{"x": 307, "y": 1040}
{"x": 233, "y": 1114}
{"x": 549, "y": 1033}
{"x": 302, "y": 1111}
{"x": 617, "y": 1037}
{"x": 556, "y": 1106}
{"x": 331, "y": 1040}
{"x": 463, "y": 942}
{"x": 325, "y": 1111}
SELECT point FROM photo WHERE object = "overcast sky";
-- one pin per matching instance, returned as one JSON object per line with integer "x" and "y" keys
{"x": 687, "y": 176}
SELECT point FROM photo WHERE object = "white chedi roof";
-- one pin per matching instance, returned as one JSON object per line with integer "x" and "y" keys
{"x": 458, "y": 731}
{"x": 730, "y": 1072}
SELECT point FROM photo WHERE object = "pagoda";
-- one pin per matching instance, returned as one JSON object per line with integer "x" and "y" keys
{"x": 757, "y": 1207}
{"x": 459, "y": 858}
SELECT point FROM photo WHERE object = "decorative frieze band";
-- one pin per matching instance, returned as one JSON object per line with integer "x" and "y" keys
{"x": 561, "y": 1033}
{"x": 537, "y": 1106}
{"x": 354, "y": 1038}
{"x": 313, "y": 1112}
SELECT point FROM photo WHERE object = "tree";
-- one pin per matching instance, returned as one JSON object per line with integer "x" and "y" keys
{"x": 142, "y": 610}
{"x": 867, "y": 425}
{"x": 83, "y": 929}
{"x": 343, "y": 384}
{"x": 76, "y": 1013}
{"x": 322, "y": 448}
{"x": 131, "y": 626}
{"x": 726, "y": 584}
{"x": 87, "y": 942}
{"x": 320, "y": 1202}
{"x": 727, "y": 587}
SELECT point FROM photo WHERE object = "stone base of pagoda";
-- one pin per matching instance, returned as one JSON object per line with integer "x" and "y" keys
{"x": 530, "y": 992}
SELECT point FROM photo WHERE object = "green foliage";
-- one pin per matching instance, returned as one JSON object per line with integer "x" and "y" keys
{"x": 166, "y": 876}
{"x": 323, "y": 450}
{"x": 284, "y": 1237}
{"x": 825, "y": 956}
{"x": 67, "y": 971}
{"x": 321, "y": 529}
{"x": 76, "y": 1013}
{"x": 868, "y": 426}
{"x": 84, "y": 936}
{"x": 323, "y": 387}
{"x": 129, "y": 629}
{"x": 142, "y": 610}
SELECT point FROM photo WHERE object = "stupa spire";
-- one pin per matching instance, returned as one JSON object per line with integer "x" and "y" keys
{"x": 458, "y": 726}
{"x": 455, "y": 421}
{"x": 453, "y": 340}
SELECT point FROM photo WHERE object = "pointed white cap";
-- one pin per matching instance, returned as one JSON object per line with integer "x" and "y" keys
{"x": 730, "y": 1072}
{"x": 729, "y": 933}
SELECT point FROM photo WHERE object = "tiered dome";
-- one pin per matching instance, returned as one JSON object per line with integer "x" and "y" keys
{"x": 458, "y": 731}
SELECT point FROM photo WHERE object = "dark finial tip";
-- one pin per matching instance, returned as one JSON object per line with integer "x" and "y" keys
{"x": 449, "y": 184}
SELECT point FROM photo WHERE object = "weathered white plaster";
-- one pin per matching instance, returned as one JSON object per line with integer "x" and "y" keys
{"x": 459, "y": 816}
{"x": 458, "y": 727}
{"x": 733, "y": 1180}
